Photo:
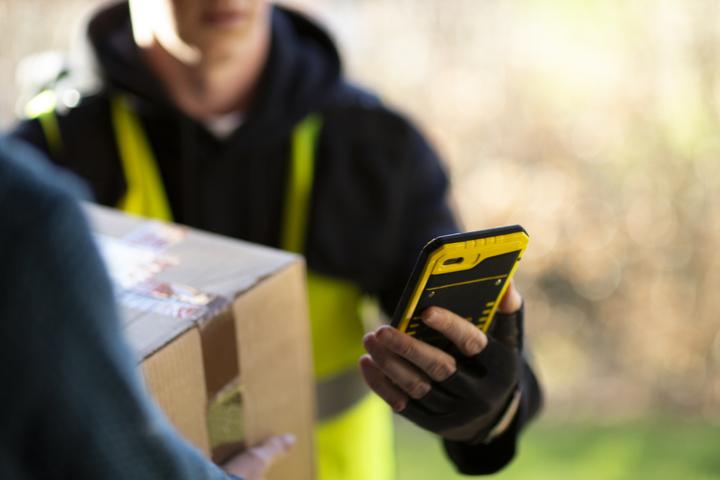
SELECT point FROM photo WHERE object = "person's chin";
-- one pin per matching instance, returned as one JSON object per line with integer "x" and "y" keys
{"x": 223, "y": 46}
{"x": 219, "y": 36}
{"x": 226, "y": 19}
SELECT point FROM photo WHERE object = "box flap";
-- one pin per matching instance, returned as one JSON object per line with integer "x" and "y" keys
{"x": 169, "y": 278}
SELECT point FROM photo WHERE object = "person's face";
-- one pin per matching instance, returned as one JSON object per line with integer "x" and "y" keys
{"x": 212, "y": 27}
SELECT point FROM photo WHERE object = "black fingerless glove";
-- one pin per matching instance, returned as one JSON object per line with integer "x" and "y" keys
{"x": 466, "y": 406}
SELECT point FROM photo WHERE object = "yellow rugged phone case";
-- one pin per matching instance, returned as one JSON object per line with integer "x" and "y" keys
{"x": 466, "y": 273}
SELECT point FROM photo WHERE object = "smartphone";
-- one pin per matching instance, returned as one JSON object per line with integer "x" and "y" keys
{"x": 466, "y": 273}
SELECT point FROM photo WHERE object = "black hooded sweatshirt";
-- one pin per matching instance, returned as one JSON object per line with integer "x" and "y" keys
{"x": 379, "y": 191}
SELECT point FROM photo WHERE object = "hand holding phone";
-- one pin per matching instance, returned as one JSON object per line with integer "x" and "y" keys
{"x": 443, "y": 372}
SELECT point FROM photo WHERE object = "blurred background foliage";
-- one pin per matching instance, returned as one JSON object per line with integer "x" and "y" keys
{"x": 596, "y": 125}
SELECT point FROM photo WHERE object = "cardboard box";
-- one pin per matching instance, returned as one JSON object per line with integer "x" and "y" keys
{"x": 218, "y": 326}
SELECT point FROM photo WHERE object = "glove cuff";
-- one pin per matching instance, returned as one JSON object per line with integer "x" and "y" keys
{"x": 505, "y": 419}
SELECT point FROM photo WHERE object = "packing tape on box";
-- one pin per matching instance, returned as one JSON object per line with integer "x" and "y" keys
{"x": 224, "y": 419}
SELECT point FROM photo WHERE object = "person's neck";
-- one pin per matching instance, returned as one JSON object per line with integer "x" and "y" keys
{"x": 211, "y": 86}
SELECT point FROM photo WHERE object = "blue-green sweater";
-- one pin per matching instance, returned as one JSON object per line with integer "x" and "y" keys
{"x": 71, "y": 402}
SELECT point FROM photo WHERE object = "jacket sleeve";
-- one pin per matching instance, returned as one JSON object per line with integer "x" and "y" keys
{"x": 78, "y": 408}
{"x": 425, "y": 212}
{"x": 483, "y": 459}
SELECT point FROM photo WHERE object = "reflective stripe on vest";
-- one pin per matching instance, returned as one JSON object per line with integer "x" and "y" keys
{"x": 334, "y": 305}
{"x": 42, "y": 107}
{"x": 354, "y": 438}
{"x": 145, "y": 194}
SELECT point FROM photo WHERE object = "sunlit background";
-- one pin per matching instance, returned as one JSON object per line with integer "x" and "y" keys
{"x": 595, "y": 125}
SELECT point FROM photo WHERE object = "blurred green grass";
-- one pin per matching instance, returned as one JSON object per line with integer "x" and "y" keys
{"x": 655, "y": 449}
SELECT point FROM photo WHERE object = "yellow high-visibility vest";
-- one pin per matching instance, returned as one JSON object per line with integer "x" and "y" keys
{"x": 354, "y": 434}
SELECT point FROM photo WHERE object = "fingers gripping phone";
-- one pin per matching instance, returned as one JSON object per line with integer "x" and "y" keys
{"x": 466, "y": 273}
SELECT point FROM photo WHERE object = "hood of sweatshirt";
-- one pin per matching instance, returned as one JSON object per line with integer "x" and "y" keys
{"x": 301, "y": 73}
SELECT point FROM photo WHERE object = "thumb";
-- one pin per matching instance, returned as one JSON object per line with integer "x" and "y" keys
{"x": 511, "y": 301}
{"x": 273, "y": 448}
{"x": 253, "y": 463}
{"x": 507, "y": 325}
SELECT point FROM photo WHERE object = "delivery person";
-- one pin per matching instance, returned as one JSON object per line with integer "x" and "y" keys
{"x": 72, "y": 405}
{"x": 234, "y": 117}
